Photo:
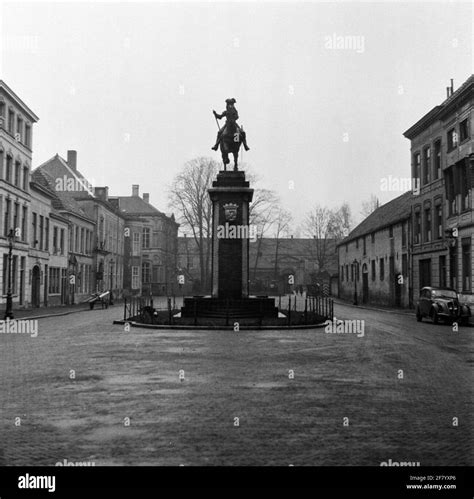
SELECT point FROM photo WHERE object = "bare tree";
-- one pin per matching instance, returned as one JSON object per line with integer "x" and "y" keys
{"x": 188, "y": 196}
{"x": 369, "y": 206}
{"x": 281, "y": 228}
{"x": 318, "y": 225}
{"x": 341, "y": 222}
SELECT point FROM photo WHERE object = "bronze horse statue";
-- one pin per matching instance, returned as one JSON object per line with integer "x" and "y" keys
{"x": 230, "y": 143}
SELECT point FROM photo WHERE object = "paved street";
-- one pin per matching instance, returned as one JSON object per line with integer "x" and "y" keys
{"x": 81, "y": 416}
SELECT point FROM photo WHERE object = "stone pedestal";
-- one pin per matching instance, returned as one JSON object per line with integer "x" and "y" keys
{"x": 230, "y": 195}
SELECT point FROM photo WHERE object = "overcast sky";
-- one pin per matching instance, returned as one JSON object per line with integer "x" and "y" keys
{"x": 131, "y": 87}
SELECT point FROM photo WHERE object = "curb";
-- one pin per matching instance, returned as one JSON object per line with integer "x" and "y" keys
{"x": 389, "y": 311}
{"x": 45, "y": 316}
{"x": 189, "y": 327}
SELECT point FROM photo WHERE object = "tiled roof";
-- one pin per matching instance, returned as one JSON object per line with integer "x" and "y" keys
{"x": 134, "y": 204}
{"x": 395, "y": 210}
{"x": 62, "y": 200}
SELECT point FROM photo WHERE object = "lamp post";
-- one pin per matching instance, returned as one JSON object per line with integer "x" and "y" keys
{"x": 9, "y": 309}
{"x": 354, "y": 263}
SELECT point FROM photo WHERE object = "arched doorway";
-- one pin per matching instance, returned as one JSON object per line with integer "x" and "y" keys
{"x": 35, "y": 286}
{"x": 365, "y": 283}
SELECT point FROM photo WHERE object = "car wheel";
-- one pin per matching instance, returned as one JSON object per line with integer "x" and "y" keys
{"x": 435, "y": 317}
{"x": 419, "y": 317}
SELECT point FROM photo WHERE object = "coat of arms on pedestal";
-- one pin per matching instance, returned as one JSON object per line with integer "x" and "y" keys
{"x": 230, "y": 211}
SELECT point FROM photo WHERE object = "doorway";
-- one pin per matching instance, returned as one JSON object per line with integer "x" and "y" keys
{"x": 365, "y": 283}
{"x": 35, "y": 286}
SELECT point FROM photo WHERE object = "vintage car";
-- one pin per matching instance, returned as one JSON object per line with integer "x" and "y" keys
{"x": 466, "y": 302}
{"x": 438, "y": 304}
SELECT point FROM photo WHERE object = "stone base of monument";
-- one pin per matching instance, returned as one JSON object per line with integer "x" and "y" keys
{"x": 251, "y": 307}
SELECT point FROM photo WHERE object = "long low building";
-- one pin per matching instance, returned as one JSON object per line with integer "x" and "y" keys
{"x": 374, "y": 261}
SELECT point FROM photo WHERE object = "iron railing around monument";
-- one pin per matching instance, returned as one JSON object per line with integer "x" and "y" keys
{"x": 293, "y": 310}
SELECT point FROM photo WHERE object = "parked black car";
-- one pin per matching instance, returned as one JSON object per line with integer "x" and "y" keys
{"x": 438, "y": 304}
{"x": 466, "y": 302}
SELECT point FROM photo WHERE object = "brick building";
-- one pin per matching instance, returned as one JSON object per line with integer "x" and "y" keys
{"x": 442, "y": 215}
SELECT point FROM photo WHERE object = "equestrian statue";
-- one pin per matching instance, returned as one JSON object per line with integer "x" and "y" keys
{"x": 231, "y": 135}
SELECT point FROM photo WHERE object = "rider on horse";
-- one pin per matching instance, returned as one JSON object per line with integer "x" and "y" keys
{"x": 231, "y": 116}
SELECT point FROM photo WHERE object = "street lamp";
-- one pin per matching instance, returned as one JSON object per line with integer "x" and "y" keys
{"x": 9, "y": 309}
{"x": 354, "y": 263}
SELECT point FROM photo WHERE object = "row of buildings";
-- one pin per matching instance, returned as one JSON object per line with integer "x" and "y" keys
{"x": 69, "y": 238}
{"x": 423, "y": 237}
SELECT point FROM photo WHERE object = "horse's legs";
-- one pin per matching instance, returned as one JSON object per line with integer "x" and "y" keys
{"x": 236, "y": 159}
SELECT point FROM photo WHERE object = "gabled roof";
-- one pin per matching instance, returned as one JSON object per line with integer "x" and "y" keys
{"x": 61, "y": 200}
{"x": 394, "y": 211}
{"x": 57, "y": 167}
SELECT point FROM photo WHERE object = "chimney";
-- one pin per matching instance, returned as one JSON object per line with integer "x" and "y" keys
{"x": 135, "y": 190}
{"x": 146, "y": 197}
{"x": 101, "y": 193}
{"x": 452, "y": 86}
{"x": 72, "y": 159}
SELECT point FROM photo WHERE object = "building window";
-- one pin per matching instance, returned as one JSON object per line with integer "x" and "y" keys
{"x": 46, "y": 235}
{"x": 54, "y": 281}
{"x": 364, "y": 245}
{"x": 82, "y": 241}
{"x": 427, "y": 223}
{"x": 16, "y": 214}
{"x": 146, "y": 238}
{"x": 463, "y": 130}
{"x": 41, "y": 232}
{"x": 439, "y": 221}
{"x": 464, "y": 185}
{"x": 373, "y": 270}
{"x": 9, "y": 169}
{"x": 5, "y": 273}
{"x": 437, "y": 159}
{"x": 28, "y": 135}
{"x": 372, "y": 237}
{"x": 347, "y": 272}
{"x": 17, "y": 173}
{"x": 352, "y": 272}
{"x": 26, "y": 178}
{"x": 34, "y": 235}
{"x": 404, "y": 234}
{"x": 417, "y": 166}
{"x": 427, "y": 165}
{"x": 135, "y": 278}
{"x": 24, "y": 222}
{"x": 146, "y": 275}
{"x": 11, "y": 121}
{"x": 55, "y": 240}
{"x": 382, "y": 269}
{"x": 6, "y": 220}
{"x": 466, "y": 265}
{"x": 390, "y": 232}
{"x": 417, "y": 228}
{"x": 61, "y": 242}
{"x": 2, "y": 158}
{"x": 136, "y": 244}
{"x": 452, "y": 139}
{"x": 19, "y": 128}
{"x": 2, "y": 112}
